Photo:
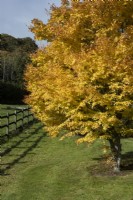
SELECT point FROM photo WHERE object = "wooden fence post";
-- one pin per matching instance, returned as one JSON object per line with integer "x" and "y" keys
{"x": 15, "y": 114}
{"x": 16, "y": 118}
{"x": 7, "y": 132}
{"x": 22, "y": 118}
{"x": 28, "y": 115}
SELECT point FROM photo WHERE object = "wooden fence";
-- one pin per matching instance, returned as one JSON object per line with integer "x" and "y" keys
{"x": 19, "y": 118}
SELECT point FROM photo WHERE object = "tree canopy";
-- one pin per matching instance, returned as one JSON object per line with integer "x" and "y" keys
{"x": 10, "y": 43}
{"x": 82, "y": 81}
{"x": 14, "y": 55}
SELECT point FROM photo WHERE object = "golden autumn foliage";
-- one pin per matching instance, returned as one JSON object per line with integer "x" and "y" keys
{"x": 82, "y": 81}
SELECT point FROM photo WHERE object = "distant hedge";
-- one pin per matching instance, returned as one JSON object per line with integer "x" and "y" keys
{"x": 11, "y": 94}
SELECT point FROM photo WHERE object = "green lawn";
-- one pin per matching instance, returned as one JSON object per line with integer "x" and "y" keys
{"x": 36, "y": 167}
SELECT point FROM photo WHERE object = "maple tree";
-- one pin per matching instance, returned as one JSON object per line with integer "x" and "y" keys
{"x": 82, "y": 81}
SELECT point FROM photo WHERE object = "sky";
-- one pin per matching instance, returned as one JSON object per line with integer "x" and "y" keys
{"x": 16, "y": 15}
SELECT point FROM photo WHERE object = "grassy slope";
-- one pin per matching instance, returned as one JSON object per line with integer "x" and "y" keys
{"x": 40, "y": 168}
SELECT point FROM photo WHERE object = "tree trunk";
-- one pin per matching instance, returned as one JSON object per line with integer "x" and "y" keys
{"x": 115, "y": 146}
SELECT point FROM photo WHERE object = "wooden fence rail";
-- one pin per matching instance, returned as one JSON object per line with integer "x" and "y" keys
{"x": 15, "y": 118}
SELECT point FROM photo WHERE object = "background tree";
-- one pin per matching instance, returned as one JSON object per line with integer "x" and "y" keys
{"x": 14, "y": 55}
{"x": 82, "y": 81}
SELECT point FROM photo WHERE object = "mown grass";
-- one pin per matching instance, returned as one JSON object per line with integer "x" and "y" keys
{"x": 36, "y": 167}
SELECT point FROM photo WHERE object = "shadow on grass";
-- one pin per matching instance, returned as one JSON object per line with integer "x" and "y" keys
{"x": 26, "y": 151}
{"x": 9, "y": 149}
{"x": 127, "y": 161}
{"x": 4, "y": 139}
{"x": 104, "y": 168}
